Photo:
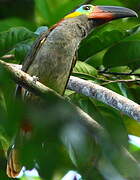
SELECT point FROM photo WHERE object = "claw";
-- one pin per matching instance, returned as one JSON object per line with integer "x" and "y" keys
{"x": 35, "y": 79}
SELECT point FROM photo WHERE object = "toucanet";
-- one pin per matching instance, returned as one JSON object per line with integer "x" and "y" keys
{"x": 53, "y": 56}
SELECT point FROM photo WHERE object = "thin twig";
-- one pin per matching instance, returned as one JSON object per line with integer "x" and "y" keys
{"x": 120, "y": 73}
{"x": 121, "y": 81}
{"x": 8, "y": 57}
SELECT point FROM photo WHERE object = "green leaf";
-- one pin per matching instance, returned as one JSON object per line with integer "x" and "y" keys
{"x": 132, "y": 126}
{"x": 9, "y": 39}
{"x": 98, "y": 43}
{"x": 6, "y": 24}
{"x": 122, "y": 54}
{"x": 66, "y": 8}
{"x": 133, "y": 37}
{"x": 41, "y": 29}
{"x": 30, "y": 178}
{"x": 134, "y": 30}
{"x": 134, "y": 89}
{"x": 112, "y": 122}
{"x": 84, "y": 70}
{"x": 96, "y": 60}
{"x": 133, "y": 147}
{"x": 122, "y": 69}
{"x": 113, "y": 3}
{"x": 21, "y": 51}
{"x": 54, "y": 12}
{"x": 44, "y": 9}
{"x": 82, "y": 148}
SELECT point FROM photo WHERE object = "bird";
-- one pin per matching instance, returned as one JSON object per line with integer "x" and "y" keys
{"x": 53, "y": 56}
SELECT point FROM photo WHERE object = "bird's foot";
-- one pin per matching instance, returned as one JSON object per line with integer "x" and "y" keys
{"x": 35, "y": 79}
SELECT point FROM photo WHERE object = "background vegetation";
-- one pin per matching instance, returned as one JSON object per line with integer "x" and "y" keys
{"x": 110, "y": 56}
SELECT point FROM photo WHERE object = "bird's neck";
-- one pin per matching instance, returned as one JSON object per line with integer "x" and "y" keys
{"x": 84, "y": 24}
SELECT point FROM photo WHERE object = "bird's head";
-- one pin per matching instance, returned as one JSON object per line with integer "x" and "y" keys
{"x": 102, "y": 14}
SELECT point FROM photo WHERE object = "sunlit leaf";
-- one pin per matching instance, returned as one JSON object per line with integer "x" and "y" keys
{"x": 84, "y": 70}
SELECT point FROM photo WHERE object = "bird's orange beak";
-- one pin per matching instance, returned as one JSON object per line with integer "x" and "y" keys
{"x": 108, "y": 13}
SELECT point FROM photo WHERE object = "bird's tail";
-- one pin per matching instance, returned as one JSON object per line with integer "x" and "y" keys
{"x": 13, "y": 164}
{"x": 14, "y": 152}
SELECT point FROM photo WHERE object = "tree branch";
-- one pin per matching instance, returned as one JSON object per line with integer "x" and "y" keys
{"x": 76, "y": 114}
{"x": 81, "y": 86}
{"x": 106, "y": 96}
{"x": 28, "y": 82}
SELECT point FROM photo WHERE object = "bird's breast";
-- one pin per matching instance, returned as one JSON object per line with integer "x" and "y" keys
{"x": 53, "y": 61}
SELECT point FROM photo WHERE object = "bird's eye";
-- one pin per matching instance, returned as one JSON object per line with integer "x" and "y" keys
{"x": 86, "y": 8}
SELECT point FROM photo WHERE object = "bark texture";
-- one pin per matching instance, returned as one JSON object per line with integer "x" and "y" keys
{"x": 106, "y": 96}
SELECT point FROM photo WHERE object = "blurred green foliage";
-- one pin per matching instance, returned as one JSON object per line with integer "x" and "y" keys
{"x": 109, "y": 49}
